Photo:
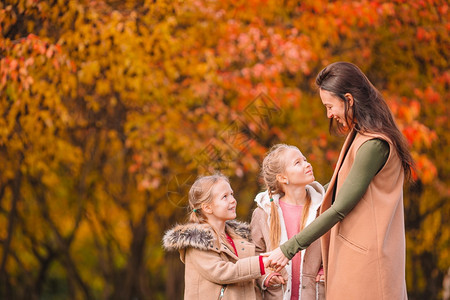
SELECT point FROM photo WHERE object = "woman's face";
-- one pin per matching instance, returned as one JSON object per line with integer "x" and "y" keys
{"x": 335, "y": 107}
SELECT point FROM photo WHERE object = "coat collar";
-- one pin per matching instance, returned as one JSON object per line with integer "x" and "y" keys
{"x": 315, "y": 189}
{"x": 200, "y": 236}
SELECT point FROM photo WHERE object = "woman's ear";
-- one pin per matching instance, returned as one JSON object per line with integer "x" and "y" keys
{"x": 349, "y": 98}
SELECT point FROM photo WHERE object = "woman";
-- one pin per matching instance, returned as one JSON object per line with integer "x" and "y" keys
{"x": 362, "y": 218}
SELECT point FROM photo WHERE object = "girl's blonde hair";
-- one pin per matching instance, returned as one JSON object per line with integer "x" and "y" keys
{"x": 201, "y": 192}
{"x": 274, "y": 164}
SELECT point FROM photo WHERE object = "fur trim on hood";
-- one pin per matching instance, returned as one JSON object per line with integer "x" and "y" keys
{"x": 200, "y": 236}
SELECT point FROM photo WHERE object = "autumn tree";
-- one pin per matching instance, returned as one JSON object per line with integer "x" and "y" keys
{"x": 110, "y": 109}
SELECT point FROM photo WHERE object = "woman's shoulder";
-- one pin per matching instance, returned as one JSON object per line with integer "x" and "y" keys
{"x": 368, "y": 142}
{"x": 373, "y": 138}
{"x": 375, "y": 146}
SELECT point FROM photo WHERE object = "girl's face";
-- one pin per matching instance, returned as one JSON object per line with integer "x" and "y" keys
{"x": 298, "y": 170}
{"x": 223, "y": 204}
{"x": 335, "y": 107}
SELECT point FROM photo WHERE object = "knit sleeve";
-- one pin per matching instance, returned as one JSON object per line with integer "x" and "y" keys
{"x": 369, "y": 159}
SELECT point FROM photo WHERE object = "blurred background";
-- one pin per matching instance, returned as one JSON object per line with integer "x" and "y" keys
{"x": 109, "y": 110}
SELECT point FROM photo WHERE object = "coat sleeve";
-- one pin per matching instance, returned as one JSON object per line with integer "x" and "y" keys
{"x": 215, "y": 269}
{"x": 258, "y": 227}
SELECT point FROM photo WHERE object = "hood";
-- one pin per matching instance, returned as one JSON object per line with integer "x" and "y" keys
{"x": 200, "y": 236}
{"x": 315, "y": 189}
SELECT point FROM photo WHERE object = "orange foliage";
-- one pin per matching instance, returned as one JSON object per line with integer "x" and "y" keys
{"x": 110, "y": 109}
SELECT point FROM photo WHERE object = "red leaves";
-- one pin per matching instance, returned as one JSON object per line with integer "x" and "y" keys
{"x": 421, "y": 137}
{"x": 431, "y": 96}
{"x": 21, "y": 58}
{"x": 426, "y": 170}
{"x": 332, "y": 155}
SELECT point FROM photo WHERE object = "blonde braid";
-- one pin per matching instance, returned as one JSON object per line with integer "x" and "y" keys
{"x": 274, "y": 164}
{"x": 275, "y": 227}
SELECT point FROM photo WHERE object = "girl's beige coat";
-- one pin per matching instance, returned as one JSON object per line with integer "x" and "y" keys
{"x": 364, "y": 254}
{"x": 211, "y": 266}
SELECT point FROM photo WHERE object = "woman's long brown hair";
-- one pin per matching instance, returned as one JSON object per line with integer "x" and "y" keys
{"x": 370, "y": 111}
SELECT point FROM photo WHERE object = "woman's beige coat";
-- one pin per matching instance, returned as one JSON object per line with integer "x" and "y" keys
{"x": 364, "y": 254}
{"x": 311, "y": 257}
{"x": 210, "y": 266}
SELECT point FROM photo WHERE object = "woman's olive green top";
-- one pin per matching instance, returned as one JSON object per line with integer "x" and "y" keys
{"x": 369, "y": 160}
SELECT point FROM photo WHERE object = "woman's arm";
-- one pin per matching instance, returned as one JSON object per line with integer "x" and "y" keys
{"x": 370, "y": 158}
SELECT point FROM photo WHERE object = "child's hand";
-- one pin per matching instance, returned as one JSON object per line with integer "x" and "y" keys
{"x": 320, "y": 277}
{"x": 274, "y": 279}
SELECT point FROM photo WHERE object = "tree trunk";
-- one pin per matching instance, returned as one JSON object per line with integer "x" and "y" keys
{"x": 175, "y": 276}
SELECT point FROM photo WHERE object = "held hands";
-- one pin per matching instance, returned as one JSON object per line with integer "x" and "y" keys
{"x": 274, "y": 280}
{"x": 275, "y": 259}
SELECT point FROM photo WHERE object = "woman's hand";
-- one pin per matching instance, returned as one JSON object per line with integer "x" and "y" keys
{"x": 320, "y": 278}
{"x": 275, "y": 259}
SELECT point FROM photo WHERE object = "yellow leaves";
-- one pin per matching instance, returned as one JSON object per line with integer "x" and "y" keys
{"x": 33, "y": 112}
{"x": 108, "y": 221}
{"x": 427, "y": 235}
{"x": 387, "y": 9}
{"x": 102, "y": 87}
{"x": 89, "y": 71}
{"x": 408, "y": 110}
{"x": 431, "y": 236}
{"x": 134, "y": 95}
{"x": 4, "y": 222}
{"x": 8, "y": 18}
{"x": 69, "y": 84}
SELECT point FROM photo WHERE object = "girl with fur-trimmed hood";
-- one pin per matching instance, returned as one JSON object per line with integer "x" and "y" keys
{"x": 290, "y": 202}
{"x": 219, "y": 258}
